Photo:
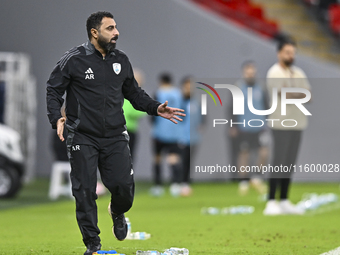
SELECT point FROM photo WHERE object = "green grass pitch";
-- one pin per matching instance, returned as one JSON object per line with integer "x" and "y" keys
{"x": 51, "y": 228}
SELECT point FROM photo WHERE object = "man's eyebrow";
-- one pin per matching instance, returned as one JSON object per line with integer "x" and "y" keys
{"x": 112, "y": 26}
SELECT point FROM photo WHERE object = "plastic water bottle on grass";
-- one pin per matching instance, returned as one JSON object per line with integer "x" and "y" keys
{"x": 148, "y": 253}
{"x": 135, "y": 235}
{"x": 139, "y": 236}
{"x": 176, "y": 251}
{"x": 210, "y": 210}
{"x": 242, "y": 209}
{"x": 331, "y": 198}
{"x": 171, "y": 251}
{"x": 128, "y": 226}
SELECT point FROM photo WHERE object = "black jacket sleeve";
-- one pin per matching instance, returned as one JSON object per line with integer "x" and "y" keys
{"x": 56, "y": 87}
{"x": 153, "y": 118}
{"x": 139, "y": 99}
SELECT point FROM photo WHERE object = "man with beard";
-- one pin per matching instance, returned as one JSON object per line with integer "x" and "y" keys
{"x": 97, "y": 78}
{"x": 286, "y": 139}
{"x": 251, "y": 140}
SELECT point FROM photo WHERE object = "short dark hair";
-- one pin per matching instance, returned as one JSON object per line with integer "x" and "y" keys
{"x": 186, "y": 79}
{"x": 283, "y": 43}
{"x": 165, "y": 78}
{"x": 248, "y": 63}
{"x": 95, "y": 20}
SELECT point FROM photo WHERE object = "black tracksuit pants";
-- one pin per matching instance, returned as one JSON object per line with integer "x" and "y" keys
{"x": 286, "y": 148}
{"x": 112, "y": 157}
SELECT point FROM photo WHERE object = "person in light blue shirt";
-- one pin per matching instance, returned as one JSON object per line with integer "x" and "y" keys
{"x": 165, "y": 138}
{"x": 2, "y": 101}
{"x": 189, "y": 136}
{"x": 258, "y": 103}
{"x": 251, "y": 138}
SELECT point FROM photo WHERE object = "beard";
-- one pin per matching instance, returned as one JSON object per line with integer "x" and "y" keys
{"x": 107, "y": 46}
{"x": 289, "y": 62}
{"x": 250, "y": 81}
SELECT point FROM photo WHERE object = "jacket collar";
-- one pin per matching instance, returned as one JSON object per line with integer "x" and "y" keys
{"x": 90, "y": 49}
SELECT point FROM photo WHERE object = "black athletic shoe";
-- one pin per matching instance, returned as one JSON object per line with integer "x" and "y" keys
{"x": 92, "y": 247}
{"x": 119, "y": 228}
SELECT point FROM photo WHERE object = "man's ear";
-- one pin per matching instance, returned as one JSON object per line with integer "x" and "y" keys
{"x": 94, "y": 33}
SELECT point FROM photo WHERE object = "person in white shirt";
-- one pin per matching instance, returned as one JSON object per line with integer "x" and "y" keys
{"x": 286, "y": 139}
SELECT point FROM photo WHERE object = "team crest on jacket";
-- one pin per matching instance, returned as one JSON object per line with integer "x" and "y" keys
{"x": 116, "y": 67}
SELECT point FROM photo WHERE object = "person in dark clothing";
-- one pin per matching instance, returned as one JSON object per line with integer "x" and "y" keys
{"x": 165, "y": 140}
{"x": 250, "y": 140}
{"x": 190, "y": 136}
{"x": 2, "y": 101}
{"x": 97, "y": 77}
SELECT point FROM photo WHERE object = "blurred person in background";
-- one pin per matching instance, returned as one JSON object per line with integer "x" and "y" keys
{"x": 132, "y": 116}
{"x": 251, "y": 140}
{"x": 165, "y": 139}
{"x": 233, "y": 141}
{"x": 286, "y": 139}
{"x": 189, "y": 134}
{"x": 97, "y": 78}
{"x": 2, "y": 101}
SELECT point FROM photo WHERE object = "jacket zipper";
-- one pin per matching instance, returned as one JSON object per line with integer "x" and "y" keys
{"x": 105, "y": 95}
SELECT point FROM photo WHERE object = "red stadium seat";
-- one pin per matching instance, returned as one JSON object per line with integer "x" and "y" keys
{"x": 242, "y": 13}
{"x": 334, "y": 18}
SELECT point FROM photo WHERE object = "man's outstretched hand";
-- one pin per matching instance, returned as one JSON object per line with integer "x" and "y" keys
{"x": 60, "y": 128}
{"x": 170, "y": 113}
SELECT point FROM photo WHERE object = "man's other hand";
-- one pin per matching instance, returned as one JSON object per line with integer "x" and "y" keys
{"x": 60, "y": 128}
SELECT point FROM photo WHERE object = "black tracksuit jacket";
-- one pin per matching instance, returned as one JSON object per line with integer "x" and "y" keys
{"x": 96, "y": 88}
